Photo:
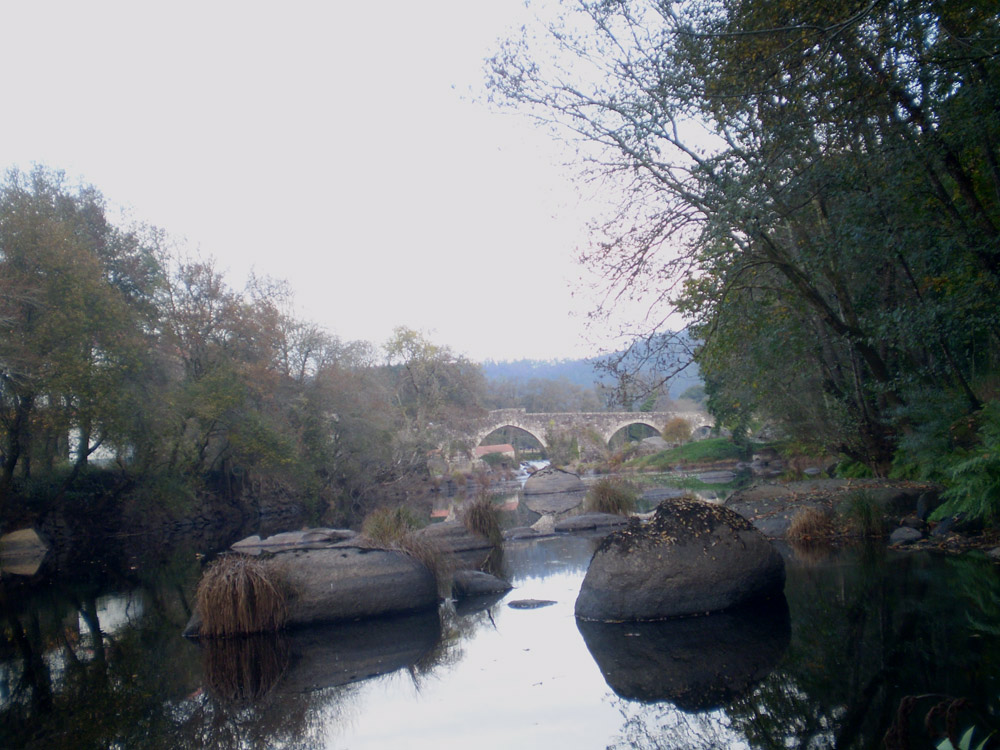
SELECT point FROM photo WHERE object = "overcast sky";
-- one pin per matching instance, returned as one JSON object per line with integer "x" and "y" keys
{"x": 331, "y": 144}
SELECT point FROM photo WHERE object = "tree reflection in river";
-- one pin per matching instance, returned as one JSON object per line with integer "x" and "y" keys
{"x": 99, "y": 663}
{"x": 870, "y": 627}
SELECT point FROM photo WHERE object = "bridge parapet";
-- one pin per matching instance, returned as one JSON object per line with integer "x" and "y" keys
{"x": 606, "y": 424}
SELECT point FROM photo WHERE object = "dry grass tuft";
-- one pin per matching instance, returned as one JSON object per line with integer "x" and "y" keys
{"x": 480, "y": 516}
{"x": 612, "y": 495}
{"x": 239, "y": 595}
{"x": 242, "y": 671}
{"x": 388, "y": 525}
{"x": 810, "y": 523}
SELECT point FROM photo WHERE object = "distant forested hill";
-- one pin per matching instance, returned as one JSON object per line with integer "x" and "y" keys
{"x": 581, "y": 372}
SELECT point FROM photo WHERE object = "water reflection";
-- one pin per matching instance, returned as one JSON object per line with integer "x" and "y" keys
{"x": 243, "y": 671}
{"x": 696, "y": 663}
{"x": 93, "y": 659}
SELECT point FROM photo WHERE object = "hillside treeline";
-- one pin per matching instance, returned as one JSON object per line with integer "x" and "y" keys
{"x": 116, "y": 350}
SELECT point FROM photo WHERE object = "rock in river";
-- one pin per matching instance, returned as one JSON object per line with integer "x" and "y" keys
{"x": 342, "y": 582}
{"x": 691, "y": 558}
{"x": 550, "y": 479}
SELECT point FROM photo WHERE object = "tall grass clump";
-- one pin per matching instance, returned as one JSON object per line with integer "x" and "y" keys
{"x": 612, "y": 495}
{"x": 389, "y": 525}
{"x": 480, "y": 516}
{"x": 810, "y": 524}
{"x": 239, "y": 595}
{"x": 864, "y": 514}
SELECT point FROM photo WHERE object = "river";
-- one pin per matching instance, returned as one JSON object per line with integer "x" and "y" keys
{"x": 93, "y": 658}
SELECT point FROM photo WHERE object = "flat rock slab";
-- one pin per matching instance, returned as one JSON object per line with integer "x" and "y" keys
{"x": 692, "y": 557}
{"x": 590, "y": 522}
{"x": 304, "y": 539}
{"x": 530, "y": 603}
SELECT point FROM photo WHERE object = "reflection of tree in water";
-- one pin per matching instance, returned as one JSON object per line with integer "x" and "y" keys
{"x": 659, "y": 726}
{"x": 77, "y": 684}
{"x": 864, "y": 636}
{"x": 457, "y": 626}
{"x": 299, "y": 721}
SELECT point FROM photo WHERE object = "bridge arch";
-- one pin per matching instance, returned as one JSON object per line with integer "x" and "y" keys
{"x": 617, "y": 427}
{"x": 484, "y": 432}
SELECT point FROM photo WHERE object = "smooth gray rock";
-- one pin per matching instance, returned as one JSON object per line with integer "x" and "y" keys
{"x": 466, "y": 583}
{"x": 590, "y": 522}
{"x": 346, "y": 583}
{"x": 692, "y": 557}
{"x": 905, "y": 535}
{"x": 550, "y": 480}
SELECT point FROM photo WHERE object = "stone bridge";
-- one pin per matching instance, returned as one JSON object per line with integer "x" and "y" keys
{"x": 603, "y": 423}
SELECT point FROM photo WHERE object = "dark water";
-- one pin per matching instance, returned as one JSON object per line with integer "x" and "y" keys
{"x": 94, "y": 659}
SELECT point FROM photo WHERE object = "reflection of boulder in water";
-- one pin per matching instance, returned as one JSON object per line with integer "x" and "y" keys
{"x": 244, "y": 670}
{"x": 554, "y": 502}
{"x": 697, "y": 663}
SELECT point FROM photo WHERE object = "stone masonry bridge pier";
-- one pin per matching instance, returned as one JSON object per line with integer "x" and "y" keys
{"x": 603, "y": 423}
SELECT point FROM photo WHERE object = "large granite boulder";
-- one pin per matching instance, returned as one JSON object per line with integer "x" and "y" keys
{"x": 344, "y": 582}
{"x": 550, "y": 479}
{"x": 691, "y": 557}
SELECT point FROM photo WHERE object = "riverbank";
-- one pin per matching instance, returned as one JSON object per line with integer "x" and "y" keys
{"x": 838, "y": 511}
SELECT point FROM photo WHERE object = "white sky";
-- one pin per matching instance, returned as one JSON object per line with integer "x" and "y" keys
{"x": 332, "y": 144}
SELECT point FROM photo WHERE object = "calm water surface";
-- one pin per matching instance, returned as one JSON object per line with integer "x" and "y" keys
{"x": 95, "y": 659}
